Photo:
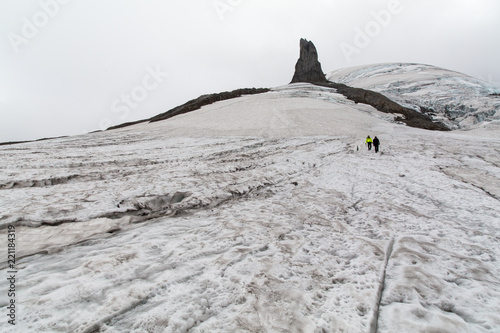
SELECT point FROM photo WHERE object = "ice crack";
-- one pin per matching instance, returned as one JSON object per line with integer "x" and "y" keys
{"x": 376, "y": 310}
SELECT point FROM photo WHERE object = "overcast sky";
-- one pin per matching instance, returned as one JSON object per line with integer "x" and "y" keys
{"x": 74, "y": 66}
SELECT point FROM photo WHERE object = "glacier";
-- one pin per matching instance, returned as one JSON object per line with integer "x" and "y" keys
{"x": 264, "y": 213}
{"x": 458, "y": 100}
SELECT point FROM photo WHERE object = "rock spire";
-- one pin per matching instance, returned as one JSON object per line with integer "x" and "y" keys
{"x": 308, "y": 68}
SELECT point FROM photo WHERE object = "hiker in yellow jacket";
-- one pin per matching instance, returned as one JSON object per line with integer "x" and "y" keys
{"x": 369, "y": 142}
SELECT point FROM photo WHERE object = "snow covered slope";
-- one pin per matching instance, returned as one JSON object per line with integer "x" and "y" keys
{"x": 293, "y": 110}
{"x": 458, "y": 100}
{"x": 257, "y": 214}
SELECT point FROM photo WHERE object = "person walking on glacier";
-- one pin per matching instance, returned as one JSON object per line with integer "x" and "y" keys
{"x": 369, "y": 142}
{"x": 376, "y": 143}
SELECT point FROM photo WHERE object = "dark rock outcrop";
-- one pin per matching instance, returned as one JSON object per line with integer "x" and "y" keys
{"x": 380, "y": 102}
{"x": 308, "y": 68}
{"x": 203, "y": 100}
{"x": 28, "y": 141}
{"x": 196, "y": 104}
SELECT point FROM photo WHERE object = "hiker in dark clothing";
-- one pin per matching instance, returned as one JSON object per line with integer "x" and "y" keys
{"x": 376, "y": 143}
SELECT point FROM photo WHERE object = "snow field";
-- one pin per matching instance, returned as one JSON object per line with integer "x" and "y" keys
{"x": 148, "y": 231}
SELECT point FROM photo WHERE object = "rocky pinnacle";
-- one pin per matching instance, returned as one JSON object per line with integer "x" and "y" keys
{"x": 308, "y": 68}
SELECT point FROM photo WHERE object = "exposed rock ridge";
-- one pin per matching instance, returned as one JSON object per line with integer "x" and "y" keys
{"x": 196, "y": 104}
{"x": 380, "y": 102}
{"x": 308, "y": 69}
{"x": 203, "y": 100}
